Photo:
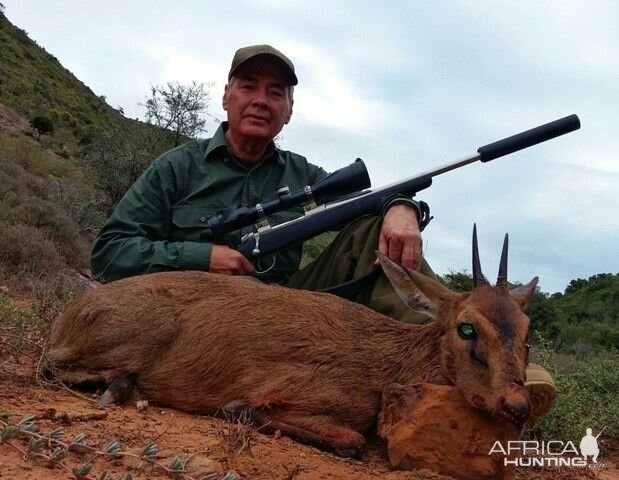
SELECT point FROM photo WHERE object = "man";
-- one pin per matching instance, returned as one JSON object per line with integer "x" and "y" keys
{"x": 160, "y": 223}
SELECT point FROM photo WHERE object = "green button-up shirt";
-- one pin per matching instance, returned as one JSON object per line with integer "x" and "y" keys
{"x": 160, "y": 223}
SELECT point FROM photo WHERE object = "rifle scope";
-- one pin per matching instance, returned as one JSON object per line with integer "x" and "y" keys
{"x": 346, "y": 180}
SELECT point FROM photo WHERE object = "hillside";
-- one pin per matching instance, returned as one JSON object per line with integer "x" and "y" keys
{"x": 589, "y": 311}
{"x": 33, "y": 82}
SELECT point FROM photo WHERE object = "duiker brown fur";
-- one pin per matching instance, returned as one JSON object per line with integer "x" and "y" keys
{"x": 310, "y": 364}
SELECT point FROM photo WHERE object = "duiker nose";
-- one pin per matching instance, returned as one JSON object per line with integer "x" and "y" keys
{"x": 515, "y": 408}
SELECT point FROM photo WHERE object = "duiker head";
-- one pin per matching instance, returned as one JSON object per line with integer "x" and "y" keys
{"x": 484, "y": 343}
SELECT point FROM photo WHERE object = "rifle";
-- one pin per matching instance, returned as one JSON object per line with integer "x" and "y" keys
{"x": 320, "y": 216}
{"x": 596, "y": 437}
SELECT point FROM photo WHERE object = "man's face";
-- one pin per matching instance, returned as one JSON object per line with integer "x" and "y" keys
{"x": 257, "y": 101}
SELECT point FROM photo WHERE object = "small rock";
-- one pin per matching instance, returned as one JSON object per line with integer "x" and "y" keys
{"x": 201, "y": 465}
{"x": 48, "y": 414}
{"x": 141, "y": 405}
{"x": 278, "y": 434}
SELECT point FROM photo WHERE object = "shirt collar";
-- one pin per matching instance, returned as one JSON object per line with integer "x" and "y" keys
{"x": 217, "y": 144}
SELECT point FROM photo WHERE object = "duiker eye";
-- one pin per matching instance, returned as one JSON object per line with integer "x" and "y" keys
{"x": 467, "y": 331}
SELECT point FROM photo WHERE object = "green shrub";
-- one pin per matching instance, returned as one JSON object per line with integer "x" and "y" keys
{"x": 587, "y": 385}
{"x": 43, "y": 125}
{"x": 69, "y": 119}
{"x": 79, "y": 203}
{"x": 57, "y": 209}
{"x": 26, "y": 248}
{"x": 17, "y": 315}
{"x": 16, "y": 181}
{"x": 54, "y": 225}
{"x": 29, "y": 154}
{"x": 51, "y": 224}
{"x": 118, "y": 156}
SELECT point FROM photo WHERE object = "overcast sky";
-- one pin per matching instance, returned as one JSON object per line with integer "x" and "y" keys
{"x": 407, "y": 86}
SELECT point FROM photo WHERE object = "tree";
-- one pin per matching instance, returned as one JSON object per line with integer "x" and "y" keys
{"x": 178, "y": 108}
{"x": 116, "y": 158}
{"x": 544, "y": 315}
{"x": 458, "y": 281}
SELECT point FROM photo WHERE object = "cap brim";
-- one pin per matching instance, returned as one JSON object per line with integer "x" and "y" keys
{"x": 288, "y": 72}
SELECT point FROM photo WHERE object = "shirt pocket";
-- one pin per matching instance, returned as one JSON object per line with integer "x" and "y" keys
{"x": 189, "y": 224}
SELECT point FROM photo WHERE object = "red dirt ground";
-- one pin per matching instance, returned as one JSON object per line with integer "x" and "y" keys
{"x": 209, "y": 440}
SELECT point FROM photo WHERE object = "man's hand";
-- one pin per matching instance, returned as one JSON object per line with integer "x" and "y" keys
{"x": 229, "y": 262}
{"x": 400, "y": 238}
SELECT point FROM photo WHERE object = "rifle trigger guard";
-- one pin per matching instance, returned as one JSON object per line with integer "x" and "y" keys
{"x": 262, "y": 272}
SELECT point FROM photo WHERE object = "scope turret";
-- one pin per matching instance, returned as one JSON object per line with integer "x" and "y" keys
{"x": 349, "y": 179}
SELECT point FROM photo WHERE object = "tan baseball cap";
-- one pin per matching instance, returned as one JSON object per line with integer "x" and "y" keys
{"x": 244, "y": 54}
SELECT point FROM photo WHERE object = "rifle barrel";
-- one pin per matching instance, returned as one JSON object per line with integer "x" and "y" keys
{"x": 327, "y": 216}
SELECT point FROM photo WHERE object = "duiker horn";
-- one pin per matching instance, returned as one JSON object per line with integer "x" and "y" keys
{"x": 501, "y": 280}
{"x": 478, "y": 277}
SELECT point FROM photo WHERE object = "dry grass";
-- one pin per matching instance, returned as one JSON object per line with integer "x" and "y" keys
{"x": 238, "y": 433}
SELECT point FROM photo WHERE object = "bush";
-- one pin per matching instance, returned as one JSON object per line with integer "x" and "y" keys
{"x": 57, "y": 209}
{"x": 29, "y": 154}
{"x": 68, "y": 119}
{"x": 54, "y": 225}
{"x": 82, "y": 205}
{"x": 115, "y": 160}
{"x": 24, "y": 248}
{"x": 587, "y": 386}
{"x": 43, "y": 125}
{"x": 17, "y": 315}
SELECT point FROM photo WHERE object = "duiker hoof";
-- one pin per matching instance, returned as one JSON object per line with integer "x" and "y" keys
{"x": 350, "y": 452}
{"x": 118, "y": 391}
{"x": 434, "y": 427}
{"x": 236, "y": 408}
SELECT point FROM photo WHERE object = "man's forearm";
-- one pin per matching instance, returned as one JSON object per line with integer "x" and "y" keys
{"x": 113, "y": 259}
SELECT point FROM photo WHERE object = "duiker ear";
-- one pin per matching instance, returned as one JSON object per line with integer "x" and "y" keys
{"x": 420, "y": 293}
{"x": 524, "y": 293}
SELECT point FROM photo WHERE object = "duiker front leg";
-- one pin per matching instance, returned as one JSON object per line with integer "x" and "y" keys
{"x": 319, "y": 431}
